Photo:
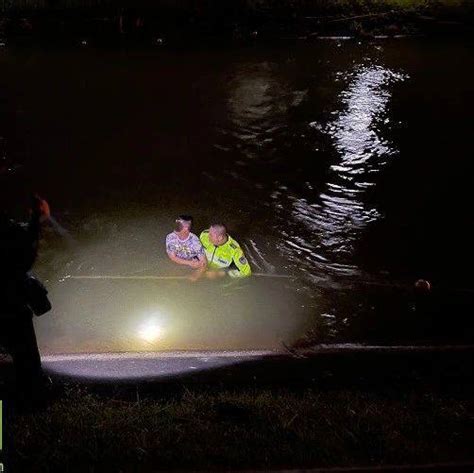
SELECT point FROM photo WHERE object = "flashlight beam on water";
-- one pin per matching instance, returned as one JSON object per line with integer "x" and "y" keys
{"x": 150, "y": 332}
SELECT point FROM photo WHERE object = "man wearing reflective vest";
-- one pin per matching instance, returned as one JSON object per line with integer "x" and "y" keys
{"x": 223, "y": 252}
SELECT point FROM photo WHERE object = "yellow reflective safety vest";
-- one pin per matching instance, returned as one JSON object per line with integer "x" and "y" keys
{"x": 220, "y": 257}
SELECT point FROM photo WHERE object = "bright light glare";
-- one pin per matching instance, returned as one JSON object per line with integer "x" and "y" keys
{"x": 150, "y": 331}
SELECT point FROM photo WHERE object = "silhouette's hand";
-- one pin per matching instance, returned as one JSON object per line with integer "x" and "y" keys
{"x": 45, "y": 210}
{"x": 40, "y": 208}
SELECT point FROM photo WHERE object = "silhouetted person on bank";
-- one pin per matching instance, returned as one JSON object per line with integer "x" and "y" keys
{"x": 20, "y": 296}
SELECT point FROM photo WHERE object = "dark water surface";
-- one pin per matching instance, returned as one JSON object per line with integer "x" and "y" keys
{"x": 347, "y": 165}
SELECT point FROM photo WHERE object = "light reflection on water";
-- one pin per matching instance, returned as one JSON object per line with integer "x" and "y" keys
{"x": 144, "y": 316}
{"x": 337, "y": 215}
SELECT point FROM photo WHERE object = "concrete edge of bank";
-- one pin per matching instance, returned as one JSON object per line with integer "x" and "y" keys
{"x": 344, "y": 363}
{"x": 322, "y": 349}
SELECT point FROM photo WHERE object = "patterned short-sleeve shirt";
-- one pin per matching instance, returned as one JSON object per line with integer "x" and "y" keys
{"x": 190, "y": 248}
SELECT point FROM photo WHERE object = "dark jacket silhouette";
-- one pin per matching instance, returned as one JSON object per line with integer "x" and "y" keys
{"x": 18, "y": 250}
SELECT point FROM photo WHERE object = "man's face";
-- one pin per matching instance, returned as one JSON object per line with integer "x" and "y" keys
{"x": 216, "y": 238}
{"x": 183, "y": 226}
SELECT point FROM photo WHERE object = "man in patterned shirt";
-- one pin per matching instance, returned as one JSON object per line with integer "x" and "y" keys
{"x": 184, "y": 247}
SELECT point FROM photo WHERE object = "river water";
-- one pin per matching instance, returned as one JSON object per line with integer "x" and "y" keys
{"x": 344, "y": 165}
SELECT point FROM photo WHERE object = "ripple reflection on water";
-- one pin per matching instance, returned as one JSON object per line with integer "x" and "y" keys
{"x": 338, "y": 214}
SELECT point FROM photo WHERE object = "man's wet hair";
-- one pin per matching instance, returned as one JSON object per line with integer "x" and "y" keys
{"x": 183, "y": 220}
{"x": 220, "y": 228}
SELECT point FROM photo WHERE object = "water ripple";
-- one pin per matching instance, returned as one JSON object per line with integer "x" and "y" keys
{"x": 338, "y": 214}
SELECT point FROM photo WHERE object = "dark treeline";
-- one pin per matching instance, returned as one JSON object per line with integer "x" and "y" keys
{"x": 176, "y": 20}
{"x": 295, "y": 6}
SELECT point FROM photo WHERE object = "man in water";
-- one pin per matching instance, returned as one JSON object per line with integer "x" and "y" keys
{"x": 184, "y": 247}
{"x": 222, "y": 252}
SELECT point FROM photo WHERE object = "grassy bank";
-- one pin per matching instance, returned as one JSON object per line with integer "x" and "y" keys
{"x": 176, "y": 20}
{"x": 204, "y": 429}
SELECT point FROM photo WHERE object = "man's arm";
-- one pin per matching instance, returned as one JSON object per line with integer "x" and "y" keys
{"x": 201, "y": 268}
{"x": 201, "y": 253}
{"x": 202, "y": 260}
{"x": 185, "y": 262}
{"x": 243, "y": 266}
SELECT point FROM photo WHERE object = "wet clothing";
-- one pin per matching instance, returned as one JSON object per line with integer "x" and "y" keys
{"x": 188, "y": 249}
{"x": 225, "y": 256}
